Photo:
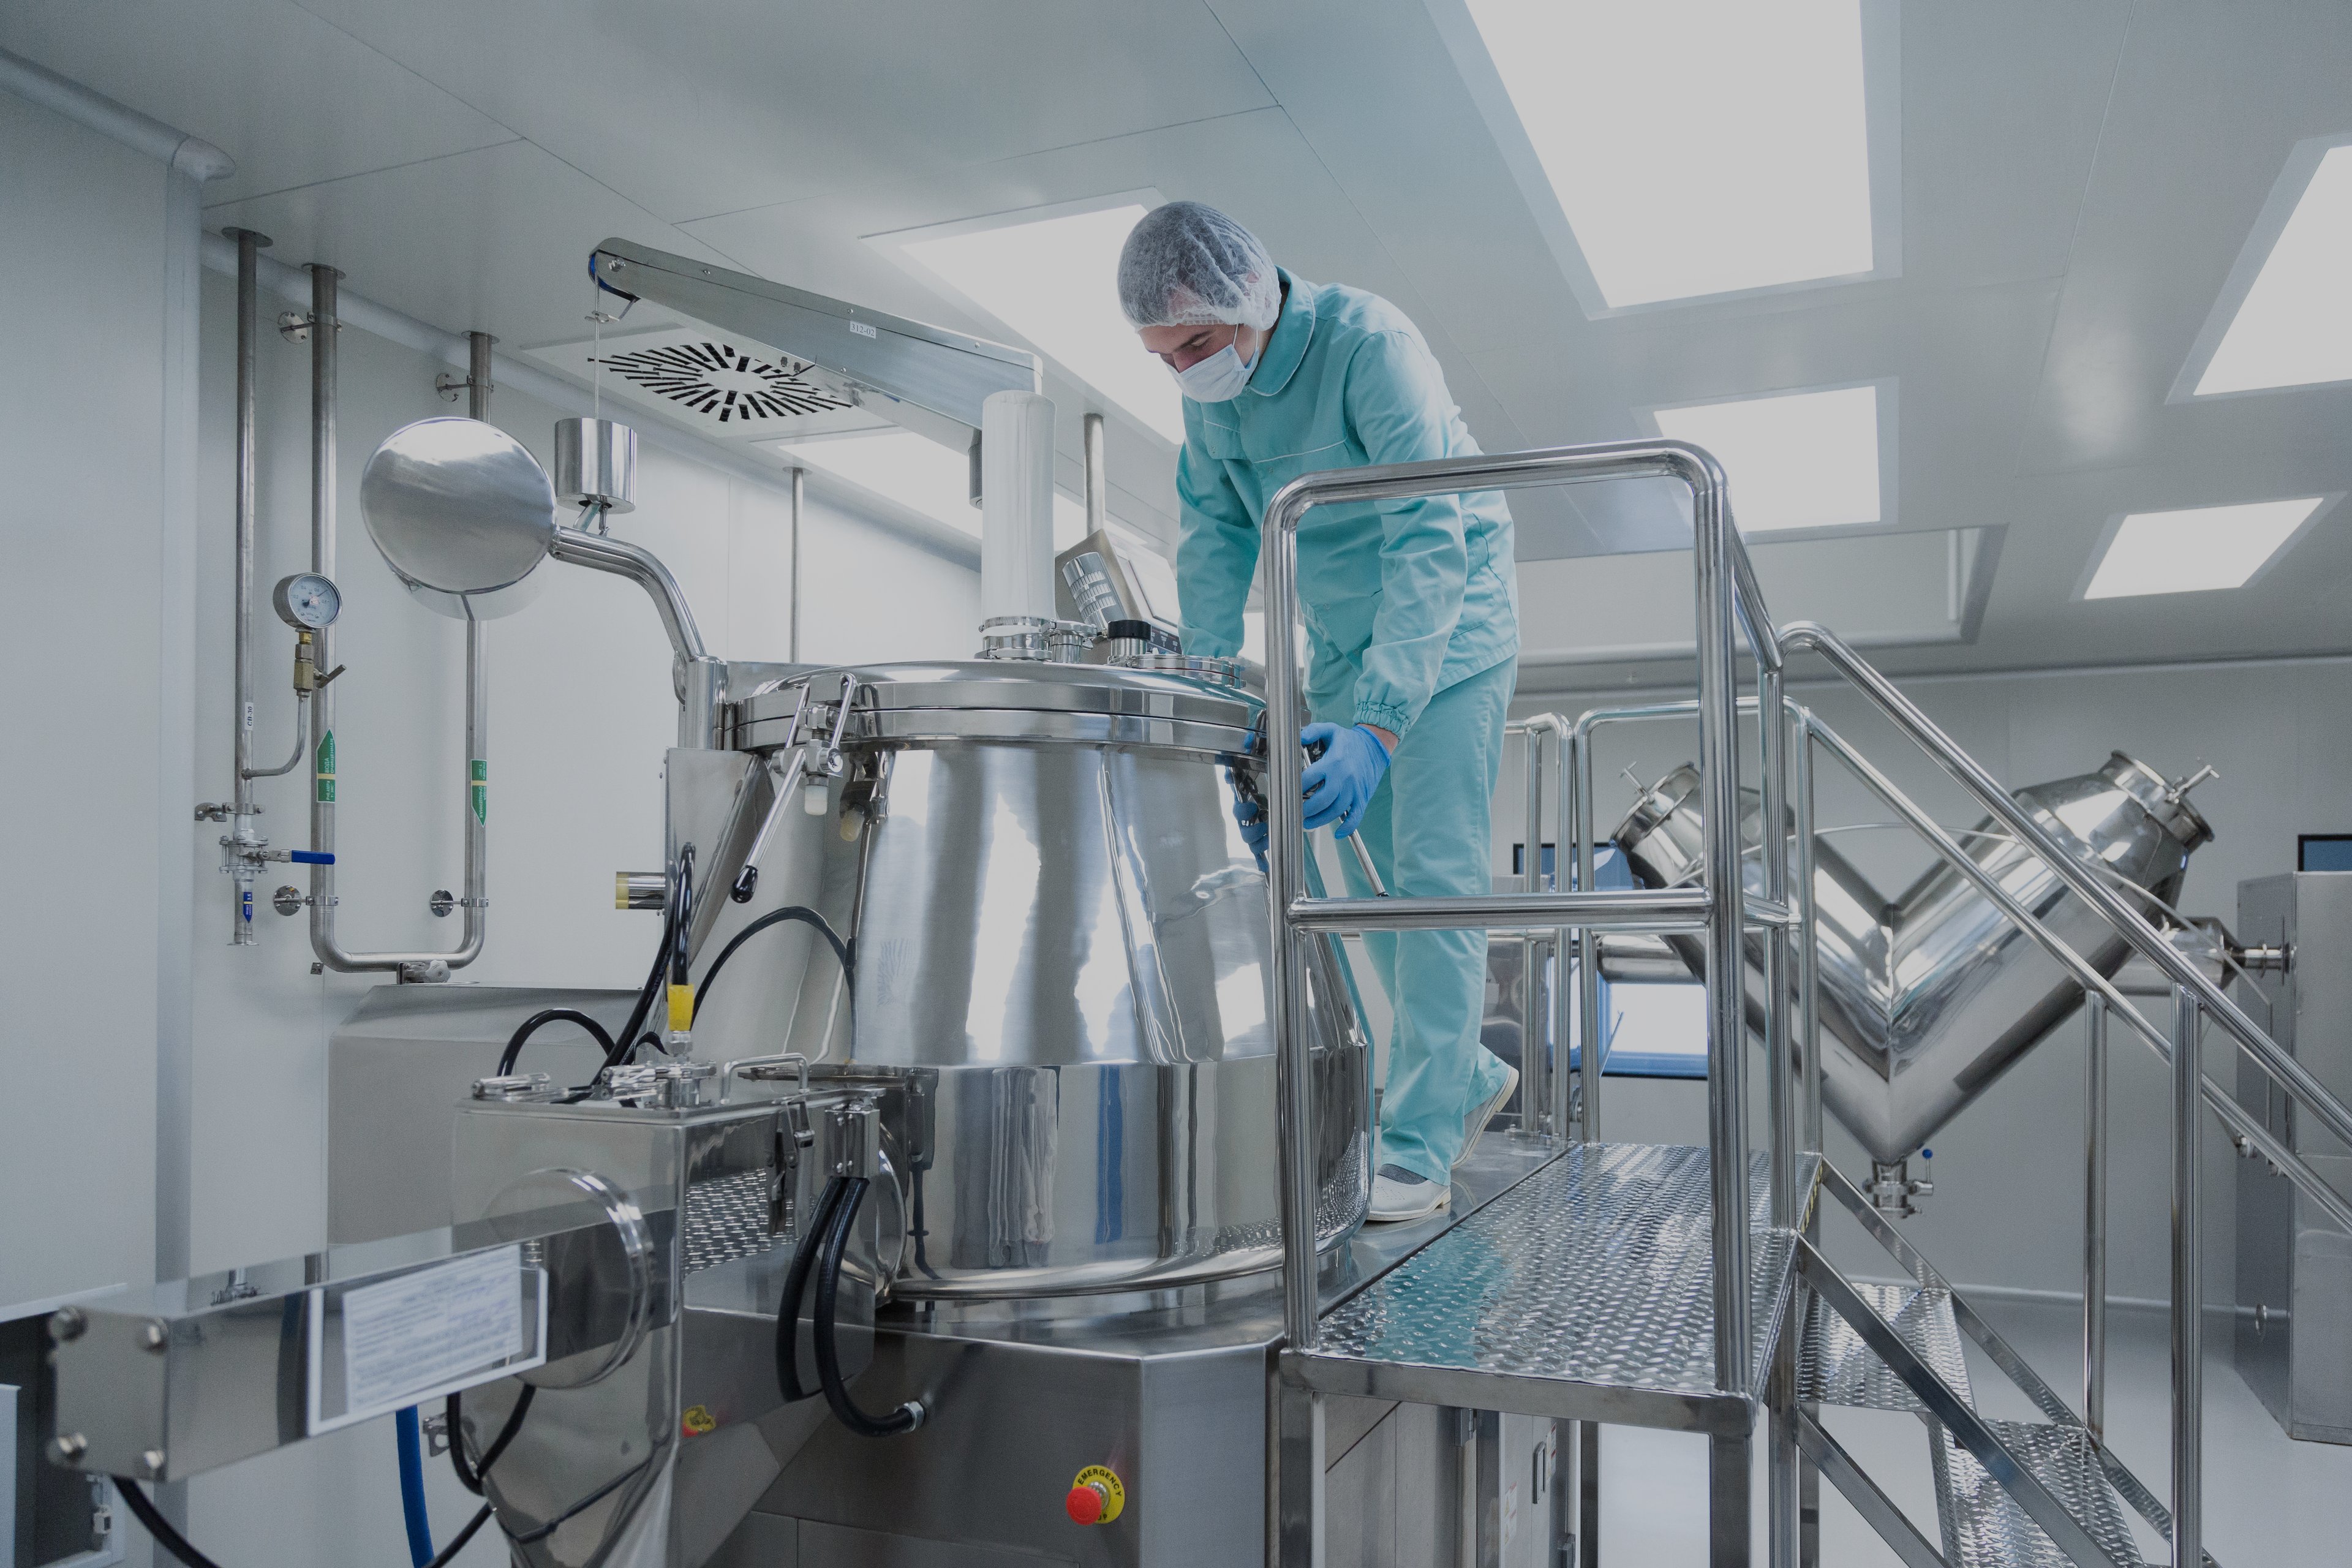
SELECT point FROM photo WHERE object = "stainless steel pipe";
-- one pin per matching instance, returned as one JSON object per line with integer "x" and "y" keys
{"x": 242, "y": 832}
{"x": 1097, "y": 479}
{"x": 2094, "y": 1216}
{"x": 326, "y": 325}
{"x": 2187, "y": 1292}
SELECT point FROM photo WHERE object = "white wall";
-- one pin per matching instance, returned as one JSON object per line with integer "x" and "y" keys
{"x": 2007, "y": 1210}
{"x": 81, "y": 243}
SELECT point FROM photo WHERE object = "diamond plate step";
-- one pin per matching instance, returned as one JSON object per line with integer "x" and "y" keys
{"x": 1835, "y": 1367}
{"x": 1587, "y": 1290}
{"x": 1983, "y": 1527}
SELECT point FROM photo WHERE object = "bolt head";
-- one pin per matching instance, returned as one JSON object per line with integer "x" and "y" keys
{"x": 151, "y": 1461}
{"x": 155, "y": 1334}
{"x": 68, "y": 1323}
{"x": 67, "y": 1446}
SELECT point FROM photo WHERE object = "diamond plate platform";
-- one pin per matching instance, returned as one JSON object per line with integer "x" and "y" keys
{"x": 1585, "y": 1293}
{"x": 1983, "y": 1527}
{"x": 1836, "y": 1368}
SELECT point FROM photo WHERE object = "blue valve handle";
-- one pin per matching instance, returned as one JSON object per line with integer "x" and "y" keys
{"x": 309, "y": 858}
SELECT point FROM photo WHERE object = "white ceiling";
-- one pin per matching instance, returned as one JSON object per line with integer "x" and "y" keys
{"x": 2076, "y": 182}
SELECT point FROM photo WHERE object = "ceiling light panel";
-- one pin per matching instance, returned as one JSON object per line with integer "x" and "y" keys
{"x": 1696, "y": 147}
{"x": 1053, "y": 281}
{"x": 2293, "y": 326}
{"x": 1806, "y": 459}
{"x": 918, "y": 473}
{"x": 2198, "y": 549}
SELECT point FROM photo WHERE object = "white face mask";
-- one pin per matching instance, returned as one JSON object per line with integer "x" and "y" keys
{"x": 1216, "y": 379}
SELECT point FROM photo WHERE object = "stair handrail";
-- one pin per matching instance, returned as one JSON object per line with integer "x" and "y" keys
{"x": 2126, "y": 921}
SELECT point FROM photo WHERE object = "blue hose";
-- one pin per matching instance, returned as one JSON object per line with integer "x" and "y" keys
{"x": 412, "y": 1487}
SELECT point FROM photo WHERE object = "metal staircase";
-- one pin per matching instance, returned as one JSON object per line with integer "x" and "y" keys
{"x": 1683, "y": 1287}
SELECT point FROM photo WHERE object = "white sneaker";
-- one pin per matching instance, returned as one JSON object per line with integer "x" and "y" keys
{"x": 1398, "y": 1195}
{"x": 1482, "y": 1114}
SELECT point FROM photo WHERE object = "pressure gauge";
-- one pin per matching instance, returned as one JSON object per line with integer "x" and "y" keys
{"x": 307, "y": 602}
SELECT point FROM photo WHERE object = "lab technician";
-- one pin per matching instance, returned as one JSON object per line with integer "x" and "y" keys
{"x": 1411, "y": 617}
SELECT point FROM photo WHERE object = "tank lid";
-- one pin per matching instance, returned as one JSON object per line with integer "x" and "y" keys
{"x": 1198, "y": 697}
{"x": 2162, "y": 799}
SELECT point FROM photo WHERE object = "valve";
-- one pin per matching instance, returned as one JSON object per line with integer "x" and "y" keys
{"x": 1096, "y": 1496}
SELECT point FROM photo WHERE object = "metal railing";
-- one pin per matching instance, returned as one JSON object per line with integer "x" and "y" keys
{"x": 2194, "y": 998}
{"x": 1725, "y": 600}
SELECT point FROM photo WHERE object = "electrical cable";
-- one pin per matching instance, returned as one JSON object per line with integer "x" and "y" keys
{"x": 457, "y": 1542}
{"x": 907, "y": 1416}
{"x": 543, "y": 1531}
{"x": 469, "y": 1474}
{"x": 169, "y": 1539}
{"x": 533, "y": 1023}
{"x": 841, "y": 950}
{"x": 788, "y": 1311}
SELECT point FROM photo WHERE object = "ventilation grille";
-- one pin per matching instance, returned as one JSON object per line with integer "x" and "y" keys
{"x": 726, "y": 383}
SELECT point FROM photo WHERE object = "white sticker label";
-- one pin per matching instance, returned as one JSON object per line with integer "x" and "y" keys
{"x": 248, "y": 715}
{"x": 862, "y": 330}
{"x": 427, "y": 1328}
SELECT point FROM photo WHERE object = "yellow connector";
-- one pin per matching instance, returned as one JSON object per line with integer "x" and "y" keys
{"x": 682, "y": 1008}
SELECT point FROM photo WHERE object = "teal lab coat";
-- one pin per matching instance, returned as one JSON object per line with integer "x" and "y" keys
{"x": 1410, "y": 609}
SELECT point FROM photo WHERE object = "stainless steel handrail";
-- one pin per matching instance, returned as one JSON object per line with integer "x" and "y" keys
{"x": 2128, "y": 922}
{"x": 1725, "y": 595}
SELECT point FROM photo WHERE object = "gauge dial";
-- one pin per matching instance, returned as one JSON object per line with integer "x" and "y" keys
{"x": 306, "y": 601}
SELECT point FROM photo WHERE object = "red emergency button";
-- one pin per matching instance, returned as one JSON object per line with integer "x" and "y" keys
{"x": 1096, "y": 1496}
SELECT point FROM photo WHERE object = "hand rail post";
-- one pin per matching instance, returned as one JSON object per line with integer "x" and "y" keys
{"x": 1564, "y": 739}
{"x": 1535, "y": 1082}
{"x": 1589, "y": 1030}
{"x": 1773, "y": 843}
{"x": 2094, "y": 1216}
{"x": 2187, "y": 1291}
{"x": 1727, "y": 989}
{"x": 1809, "y": 993}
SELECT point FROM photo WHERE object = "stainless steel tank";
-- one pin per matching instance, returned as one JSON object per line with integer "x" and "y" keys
{"x": 1059, "y": 948}
{"x": 1926, "y": 999}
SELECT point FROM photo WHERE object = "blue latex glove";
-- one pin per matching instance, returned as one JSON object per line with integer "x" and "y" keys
{"x": 1252, "y": 817}
{"x": 1339, "y": 784}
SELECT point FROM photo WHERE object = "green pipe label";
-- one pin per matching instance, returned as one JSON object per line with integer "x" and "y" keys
{"x": 479, "y": 770}
{"x": 326, "y": 768}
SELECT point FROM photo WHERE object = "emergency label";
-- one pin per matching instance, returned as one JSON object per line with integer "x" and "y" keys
{"x": 431, "y": 1327}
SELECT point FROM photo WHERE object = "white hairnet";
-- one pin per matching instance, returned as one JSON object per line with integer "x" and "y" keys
{"x": 1187, "y": 265}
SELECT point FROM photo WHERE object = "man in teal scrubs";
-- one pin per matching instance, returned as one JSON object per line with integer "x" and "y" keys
{"x": 1411, "y": 618}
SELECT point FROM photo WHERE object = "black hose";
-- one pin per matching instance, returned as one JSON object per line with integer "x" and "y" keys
{"x": 788, "y": 1311}
{"x": 532, "y": 1024}
{"x": 907, "y": 1416}
{"x": 777, "y": 917}
{"x": 169, "y": 1539}
{"x": 469, "y": 1475}
{"x": 448, "y": 1554}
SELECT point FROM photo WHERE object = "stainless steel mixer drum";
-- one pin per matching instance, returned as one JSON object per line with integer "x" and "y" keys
{"x": 1926, "y": 1000}
{"x": 1060, "y": 950}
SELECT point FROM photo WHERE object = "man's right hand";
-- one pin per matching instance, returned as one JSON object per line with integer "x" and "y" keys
{"x": 1251, "y": 814}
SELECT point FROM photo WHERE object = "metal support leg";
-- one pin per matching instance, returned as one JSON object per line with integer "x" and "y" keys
{"x": 1809, "y": 1499}
{"x": 1727, "y": 1473}
{"x": 1488, "y": 1498}
{"x": 2095, "y": 1218}
{"x": 1588, "y": 1494}
{"x": 1783, "y": 1502}
{"x": 1299, "y": 1460}
{"x": 2187, "y": 1292}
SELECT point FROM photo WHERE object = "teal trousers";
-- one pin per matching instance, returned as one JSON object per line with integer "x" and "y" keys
{"x": 1429, "y": 831}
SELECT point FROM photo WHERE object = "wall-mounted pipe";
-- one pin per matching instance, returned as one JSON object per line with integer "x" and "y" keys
{"x": 326, "y": 322}
{"x": 244, "y": 835}
{"x": 800, "y": 499}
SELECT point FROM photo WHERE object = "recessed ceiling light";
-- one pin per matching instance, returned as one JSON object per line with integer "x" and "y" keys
{"x": 2294, "y": 326}
{"x": 1805, "y": 459}
{"x": 1707, "y": 147}
{"x": 2197, "y": 549}
{"x": 1054, "y": 282}
{"x": 918, "y": 473}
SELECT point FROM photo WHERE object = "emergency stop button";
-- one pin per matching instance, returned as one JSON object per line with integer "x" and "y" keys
{"x": 1097, "y": 1495}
